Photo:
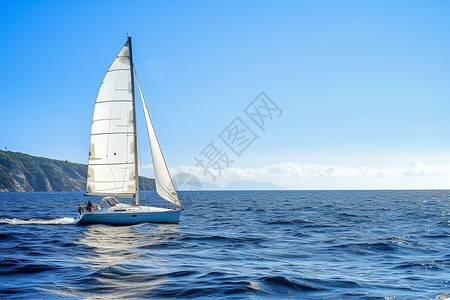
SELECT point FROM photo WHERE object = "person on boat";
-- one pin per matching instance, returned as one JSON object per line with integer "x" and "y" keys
{"x": 89, "y": 206}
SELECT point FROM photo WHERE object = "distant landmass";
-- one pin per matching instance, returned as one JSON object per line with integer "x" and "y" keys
{"x": 20, "y": 172}
{"x": 235, "y": 185}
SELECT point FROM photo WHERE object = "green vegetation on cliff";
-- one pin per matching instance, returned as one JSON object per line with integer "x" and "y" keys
{"x": 26, "y": 173}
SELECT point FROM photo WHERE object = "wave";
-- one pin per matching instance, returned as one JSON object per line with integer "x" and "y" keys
{"x": 23, "y": 266}
{"x": 288, "y": 222}
{"x": 39, "y": 221}
{"x": 288, "y": 283}
{"x": 225, "y": 239}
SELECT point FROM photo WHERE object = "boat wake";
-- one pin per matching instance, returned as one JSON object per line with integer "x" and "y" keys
{"x": 40, "y": 221}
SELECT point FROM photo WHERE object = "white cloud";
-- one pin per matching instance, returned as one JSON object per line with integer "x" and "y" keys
{"x": 296, "y": 176}
{"x": 147, "y": 167}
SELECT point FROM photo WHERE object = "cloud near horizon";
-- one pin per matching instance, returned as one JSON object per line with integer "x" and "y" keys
{"x": 295, "y": 176}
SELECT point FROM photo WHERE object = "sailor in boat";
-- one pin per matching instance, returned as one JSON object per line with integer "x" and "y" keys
{"x": 89, "y": 206}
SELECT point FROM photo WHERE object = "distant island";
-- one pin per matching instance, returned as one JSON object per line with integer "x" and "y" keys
{"x": 238, "y": 185}
{"x": 20, "y": 172}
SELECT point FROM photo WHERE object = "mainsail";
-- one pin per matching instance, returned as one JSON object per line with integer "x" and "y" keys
{"x": 112, "y": 149}
{"x": 163, "y": 181}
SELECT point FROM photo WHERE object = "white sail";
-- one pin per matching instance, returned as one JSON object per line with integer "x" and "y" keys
{"x": 112, "y": 149}
{"x": 163, "y": 181}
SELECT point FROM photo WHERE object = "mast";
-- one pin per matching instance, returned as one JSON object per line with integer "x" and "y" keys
{"x": 134, "y": 123}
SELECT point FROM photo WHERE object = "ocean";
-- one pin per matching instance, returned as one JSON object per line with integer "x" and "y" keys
{"x": 232, "y": 245}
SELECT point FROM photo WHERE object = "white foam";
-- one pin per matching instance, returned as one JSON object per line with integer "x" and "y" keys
{"x": 444, "y": 296}
{"x": 56, "y": 221}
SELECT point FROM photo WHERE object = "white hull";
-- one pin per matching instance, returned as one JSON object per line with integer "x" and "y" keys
{"x": 129, "y": 214}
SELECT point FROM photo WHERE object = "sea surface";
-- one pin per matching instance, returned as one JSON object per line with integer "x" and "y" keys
{"x": 232, "y": 245}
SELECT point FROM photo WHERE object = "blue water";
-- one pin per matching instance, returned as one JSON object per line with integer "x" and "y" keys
{"x": 233, "y": 244}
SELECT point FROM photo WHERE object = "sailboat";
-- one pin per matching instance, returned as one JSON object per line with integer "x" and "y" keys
{"x": 113, "y": 154}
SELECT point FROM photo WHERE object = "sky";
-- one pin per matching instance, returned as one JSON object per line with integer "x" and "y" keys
{"x": 359, "y": 90}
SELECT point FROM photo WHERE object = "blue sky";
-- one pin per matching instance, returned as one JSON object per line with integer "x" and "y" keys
{"x": 363, "y": 85}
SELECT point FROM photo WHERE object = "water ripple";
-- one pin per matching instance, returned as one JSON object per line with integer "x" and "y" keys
{"x": 237, "y": 245}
